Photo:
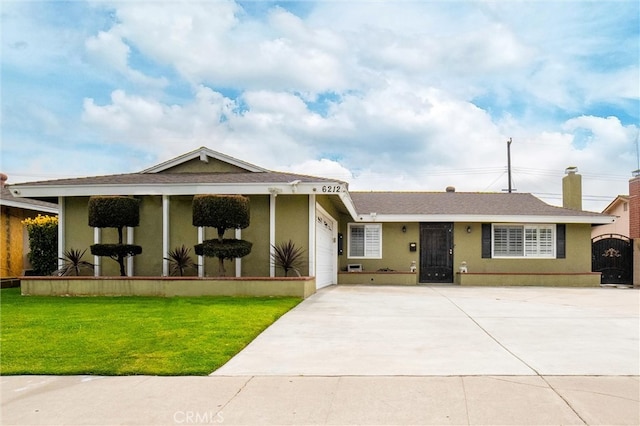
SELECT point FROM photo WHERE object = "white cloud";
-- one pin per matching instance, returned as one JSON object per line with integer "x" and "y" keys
{"x": 405, "y": 81}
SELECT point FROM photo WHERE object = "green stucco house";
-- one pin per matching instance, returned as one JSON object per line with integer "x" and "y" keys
{"x": 405, "y": 238}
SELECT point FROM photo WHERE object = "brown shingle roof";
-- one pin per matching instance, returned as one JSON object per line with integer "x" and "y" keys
{"x": 180, "y": 178}
{"x": 456, "y": 203}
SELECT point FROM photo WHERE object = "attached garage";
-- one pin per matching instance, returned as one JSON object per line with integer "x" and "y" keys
{"x": 326, "y": 250}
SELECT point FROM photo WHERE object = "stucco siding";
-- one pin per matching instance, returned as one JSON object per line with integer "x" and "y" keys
{"x": 197, "y": 166}
{"x": 468, "y": 248}
{"x": 395, "y": 248}
{"x": 149, "y": 235}
{"x": 181, "y": 229}
{"x": 78, "y": 234}
{"x": 256, "y": 263}
{"x": 292, "y": 223}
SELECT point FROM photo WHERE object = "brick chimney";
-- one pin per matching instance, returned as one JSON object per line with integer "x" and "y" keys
{"x": 3, "y": 180}
{"x": 572, "y": 189}
{"x": 634, "y": 205}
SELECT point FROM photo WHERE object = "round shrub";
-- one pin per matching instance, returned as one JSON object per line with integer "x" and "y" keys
{"x": 221, "y": 211}
{"x": 113, "y": 211}
{"x": 225, "y": 249}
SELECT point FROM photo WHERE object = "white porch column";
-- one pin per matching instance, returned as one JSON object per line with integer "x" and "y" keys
{"x": 165, "y": 235}
{"x": 312, "y": 235}
{"x": 61, "y": 228}
{"x": 272, "y": 233}
{"x": 96, "y": 259}
{"x": 130, "y": 240}
{"x": 238, "y": 259}
{"x": 200, "y": 258}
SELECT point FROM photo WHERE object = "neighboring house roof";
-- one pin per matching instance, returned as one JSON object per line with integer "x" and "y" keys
{"x": 612, "y": 205}
{"x": 7, "y": 199}
{"x": 465, "y": 206}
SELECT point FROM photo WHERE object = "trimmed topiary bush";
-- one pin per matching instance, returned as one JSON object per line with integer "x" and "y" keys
{"x": 115, "y": 212}
{"x": 115, "y": 251}
{"x": 228, "y": 248}
{"x": 222, "y": 212}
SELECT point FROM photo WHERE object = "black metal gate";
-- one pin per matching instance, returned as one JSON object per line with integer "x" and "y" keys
{"x": 612, "y": 255}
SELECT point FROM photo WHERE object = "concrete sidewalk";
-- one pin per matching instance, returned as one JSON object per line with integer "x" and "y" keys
{"x": 388, "y": 355}
{"x": 307, "y": 400}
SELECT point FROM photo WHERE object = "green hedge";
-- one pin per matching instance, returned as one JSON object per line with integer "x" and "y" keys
{"x": 113, "y": 211}
{"x": 221, "y": 211}
{"x": 225, "y": 249}
{"x": 43, "y": 242}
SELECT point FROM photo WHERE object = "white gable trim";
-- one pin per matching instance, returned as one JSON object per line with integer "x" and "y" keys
{"x": 203, "y": 154}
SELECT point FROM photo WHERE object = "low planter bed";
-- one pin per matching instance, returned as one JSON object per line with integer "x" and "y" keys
{"x": 378, "y": 277}
{"x": 168, "y": 286}
{"x": 551, "y": 279}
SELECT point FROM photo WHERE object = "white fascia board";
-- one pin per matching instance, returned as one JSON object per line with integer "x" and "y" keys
{"x": 328, "y": 188}
{"x": 28, "y": 206}
{"x": 348, "y": 203}
{"x": 485, "y": 218}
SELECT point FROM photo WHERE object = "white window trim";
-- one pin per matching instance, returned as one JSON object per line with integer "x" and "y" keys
{"x": 365, "y": 225}
{"x": 525, "y": 226}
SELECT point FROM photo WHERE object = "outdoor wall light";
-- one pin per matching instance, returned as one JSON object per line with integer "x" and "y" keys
{"x": 404, "y": 228}
{"x": 468, "y": 229}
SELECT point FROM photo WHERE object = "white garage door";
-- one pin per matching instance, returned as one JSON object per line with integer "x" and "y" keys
{"x": 326, "y": 256}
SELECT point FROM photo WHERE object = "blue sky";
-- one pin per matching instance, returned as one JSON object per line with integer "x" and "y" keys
{"x": 402, "y": 95}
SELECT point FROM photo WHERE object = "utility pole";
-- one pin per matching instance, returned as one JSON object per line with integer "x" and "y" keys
{"x": 509, "y": 163}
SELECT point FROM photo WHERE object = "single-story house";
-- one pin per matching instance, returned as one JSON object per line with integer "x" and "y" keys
{"x": 14, "y": 237}
{"x": 349, "y": 237}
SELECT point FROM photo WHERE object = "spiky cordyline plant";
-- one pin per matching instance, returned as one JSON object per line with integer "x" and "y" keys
{"x": 288, "y": 257}
{"x": 180, "y": 260}
{"x": 73, "y": 263}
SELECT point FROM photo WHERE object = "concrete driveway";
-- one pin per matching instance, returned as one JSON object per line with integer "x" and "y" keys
{"x": 444, "y": 331}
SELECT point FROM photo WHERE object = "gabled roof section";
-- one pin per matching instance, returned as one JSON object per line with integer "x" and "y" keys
{"x": 203, "y": 154}
{"x": 466, "y": 206}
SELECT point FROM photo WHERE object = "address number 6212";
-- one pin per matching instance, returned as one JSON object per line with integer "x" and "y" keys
{"x": 331, "y": 188}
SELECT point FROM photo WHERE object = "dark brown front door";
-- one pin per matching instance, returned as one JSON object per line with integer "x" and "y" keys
{"x": 436, "y": 253}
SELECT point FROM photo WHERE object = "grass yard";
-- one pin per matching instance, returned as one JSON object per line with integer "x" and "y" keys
{"x": 129, "y": 335}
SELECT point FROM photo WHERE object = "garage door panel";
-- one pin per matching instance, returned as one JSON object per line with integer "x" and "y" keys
{"x": 326, "y": 258}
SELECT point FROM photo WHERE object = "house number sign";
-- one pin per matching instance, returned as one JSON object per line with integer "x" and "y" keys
{"x": 331, "y": 188}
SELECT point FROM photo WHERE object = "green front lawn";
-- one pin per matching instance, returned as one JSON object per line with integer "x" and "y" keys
{"x": 129, "y": 335}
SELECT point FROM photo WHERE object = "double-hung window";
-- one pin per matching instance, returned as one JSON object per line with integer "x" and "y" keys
{"x": 524, "y": 241}
{"x": 365, "y": 241}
